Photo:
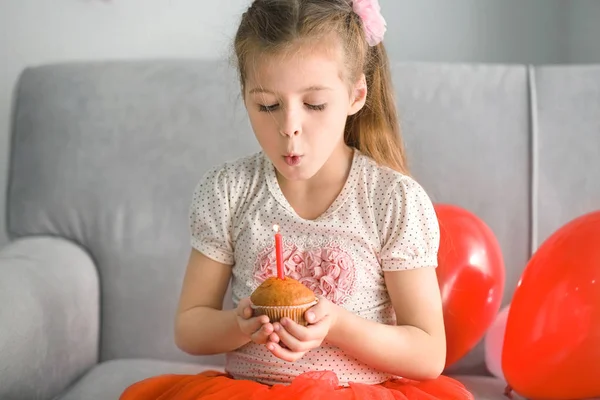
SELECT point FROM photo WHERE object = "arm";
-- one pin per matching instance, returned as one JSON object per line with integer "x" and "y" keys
{"x": 49, "y": 317}
{"x": 416, "y": 347}
{"x": 202, "y": 327}
{"x": 200, "y": 318}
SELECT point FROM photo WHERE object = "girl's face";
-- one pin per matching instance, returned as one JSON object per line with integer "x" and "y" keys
{"x": 298, "y": 104}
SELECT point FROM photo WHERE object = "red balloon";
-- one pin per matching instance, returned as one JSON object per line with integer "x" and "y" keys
{"x": 552, "y": 340}
{"x": 471, "y": 277}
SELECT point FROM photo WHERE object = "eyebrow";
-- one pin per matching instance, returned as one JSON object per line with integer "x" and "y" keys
{"x": 308, "y": 89}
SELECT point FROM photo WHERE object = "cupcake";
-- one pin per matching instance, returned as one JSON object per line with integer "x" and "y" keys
{"x": 278, "y": 298}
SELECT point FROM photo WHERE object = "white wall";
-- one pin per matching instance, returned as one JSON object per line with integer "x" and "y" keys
{"x": 502, "y": 31}
{"x": 514, "y": 31}
{"x": 584, "y": 32}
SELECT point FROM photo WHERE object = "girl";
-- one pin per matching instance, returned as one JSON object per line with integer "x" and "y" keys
{"x": 359, "y": 231}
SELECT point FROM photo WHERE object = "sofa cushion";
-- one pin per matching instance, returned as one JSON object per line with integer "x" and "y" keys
{"x": 107, "y": 155}
{"x": 486, "y": 387}
{"x": 108, "y": 380}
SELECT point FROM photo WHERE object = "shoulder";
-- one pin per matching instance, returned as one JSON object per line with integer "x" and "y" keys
{"x": 405, "y": 218}
{"x": 245, "y": 166}
{"x": 384, "y": 184}
{"x": 232, "y": 175}
{"x": 226, "y": 185}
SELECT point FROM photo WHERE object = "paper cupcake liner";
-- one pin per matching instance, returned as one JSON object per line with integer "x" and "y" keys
{"x": 276, "y": 313}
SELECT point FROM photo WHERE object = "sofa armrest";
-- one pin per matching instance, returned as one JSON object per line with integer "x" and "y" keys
{"x": 49, "y": 317}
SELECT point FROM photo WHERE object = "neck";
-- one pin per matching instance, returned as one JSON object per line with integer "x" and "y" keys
{"x": 312, "y": 197}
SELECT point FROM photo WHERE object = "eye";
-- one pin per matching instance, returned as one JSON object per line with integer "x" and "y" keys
{"x": 316, "y": 107}
{"x": 270, "y": 108}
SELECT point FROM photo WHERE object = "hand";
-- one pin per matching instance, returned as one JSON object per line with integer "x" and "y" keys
{"x": 258, "y": 328}
{"x": 291, "y": 341}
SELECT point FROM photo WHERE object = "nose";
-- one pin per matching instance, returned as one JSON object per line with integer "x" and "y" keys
{"x": 291, "y": 124}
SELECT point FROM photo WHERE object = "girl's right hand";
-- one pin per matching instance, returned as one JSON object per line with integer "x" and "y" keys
{"x": 258, "y": 328}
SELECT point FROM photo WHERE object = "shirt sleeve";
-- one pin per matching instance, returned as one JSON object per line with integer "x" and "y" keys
{"x": 411, "y": 234}
{"x": 210, "y": 217}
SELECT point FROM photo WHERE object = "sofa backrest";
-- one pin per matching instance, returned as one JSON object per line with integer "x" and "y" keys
{"x": 107, "y": 154}
{"x": 566, "y": 137}
{"x": 467, "y": 133}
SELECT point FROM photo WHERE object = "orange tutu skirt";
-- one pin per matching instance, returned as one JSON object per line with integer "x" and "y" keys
{"x": 213, "y": 385}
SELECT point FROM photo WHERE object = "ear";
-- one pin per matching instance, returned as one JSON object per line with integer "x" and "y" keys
{"x": 358, "y": 95}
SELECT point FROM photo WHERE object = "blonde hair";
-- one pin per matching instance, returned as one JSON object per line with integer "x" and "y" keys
{"x": 274, "y": 25}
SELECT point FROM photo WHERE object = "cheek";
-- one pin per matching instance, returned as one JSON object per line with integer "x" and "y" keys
{"x": 265, "y": 131}
{"x": 335, "y": 118}
{"x": 262, "y": 123}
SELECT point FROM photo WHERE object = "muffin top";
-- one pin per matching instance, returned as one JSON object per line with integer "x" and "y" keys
{"x": 282, "y": 292}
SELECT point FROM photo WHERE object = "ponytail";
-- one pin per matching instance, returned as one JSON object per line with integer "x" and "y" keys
{"x": 375, "y": 129}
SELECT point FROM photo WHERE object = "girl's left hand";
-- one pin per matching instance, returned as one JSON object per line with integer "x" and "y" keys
{"x": 298, "y": 339}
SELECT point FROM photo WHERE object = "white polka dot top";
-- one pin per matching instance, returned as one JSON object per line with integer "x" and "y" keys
{"x": 381, "y": 220}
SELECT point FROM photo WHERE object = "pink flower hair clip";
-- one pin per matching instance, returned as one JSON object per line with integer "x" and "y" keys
{"x": 374, "y": 24}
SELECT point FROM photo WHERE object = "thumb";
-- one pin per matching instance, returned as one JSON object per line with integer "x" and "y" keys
{"x": 243, "y": 308}
{"x": 316, "y": 312}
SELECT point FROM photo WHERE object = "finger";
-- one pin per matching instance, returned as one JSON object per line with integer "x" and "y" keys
{"x": 258, "y": 321}
{"x": 274, "y": 337}
{"x": 243, "y": 307}
{"x": 261, "y": 335}
{"x": 284, "y": 354}
{"x": 245, "y": 313}
{"x": 262, "y": 319}
{"x": 316, "y": 312}
{"x": 288, "y": 340}
{"x": 306, "y": 333}
{"x": 252, "y": 325}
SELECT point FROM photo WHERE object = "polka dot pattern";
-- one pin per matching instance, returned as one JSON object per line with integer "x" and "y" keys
{"x": 382, "y": 219}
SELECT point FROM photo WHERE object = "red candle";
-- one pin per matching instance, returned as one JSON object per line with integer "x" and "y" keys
{"x": 278, "y": 252}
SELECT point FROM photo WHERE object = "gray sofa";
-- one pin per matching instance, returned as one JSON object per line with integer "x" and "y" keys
{"x": 105, "y": 155}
